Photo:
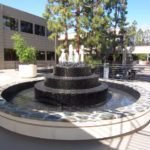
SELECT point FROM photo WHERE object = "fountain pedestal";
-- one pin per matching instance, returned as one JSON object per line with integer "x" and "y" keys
{"x": 72, "y": 84}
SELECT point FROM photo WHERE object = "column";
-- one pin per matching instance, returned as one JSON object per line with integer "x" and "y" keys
{"x": 124, "y": 56}
{"x": 33, "y": 28}
{"x": 19, "y": 25}
{"x": 1, "y": 39}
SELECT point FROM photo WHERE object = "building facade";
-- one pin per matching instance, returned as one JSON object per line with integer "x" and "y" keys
{"x": 34, "y": 31}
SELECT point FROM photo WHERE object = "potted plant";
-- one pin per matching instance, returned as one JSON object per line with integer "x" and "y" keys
{"x": 26, "y": 55}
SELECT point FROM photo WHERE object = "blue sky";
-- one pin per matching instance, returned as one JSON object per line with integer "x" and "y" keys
{"x": 138, "y": 10}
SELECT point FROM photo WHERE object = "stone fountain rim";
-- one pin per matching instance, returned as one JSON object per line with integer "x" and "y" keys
{"x": 143, "y": 100}
{"x": 69, "y": 130}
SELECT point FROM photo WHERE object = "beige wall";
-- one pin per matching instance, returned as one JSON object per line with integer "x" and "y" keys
{"x": 1, "y": 39}
{"x": 41, "y": 43}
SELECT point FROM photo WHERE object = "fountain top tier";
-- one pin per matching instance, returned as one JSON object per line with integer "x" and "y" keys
{"x": 73, "y": 56}
{"x": 72, "y": 64}
{"x": 69, "y": 69}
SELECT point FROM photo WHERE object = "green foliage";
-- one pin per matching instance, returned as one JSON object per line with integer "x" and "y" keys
{"x": 92, "y": 61}
{"x": 130, "y": 34}
{"x": 58, "y": 17}
{"x": 140, "y": 57}
{"x": 89, "y": 19}
{"x": 136, "y": 37}
{"x": 58, "y": 49}
{"x": 117, "y": 14}
{"x": 25, "y": 54}
{"x": 139, "y": 37}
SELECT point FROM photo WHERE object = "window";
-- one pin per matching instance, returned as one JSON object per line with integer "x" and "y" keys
{"x": 40, "y": 55}
{"x": 26, "y": 27}
{"x": 10, "y": 55}
{"x": 39, "y": 30}
{"x": 10, "y": 23}
{"x": 50, "y": 56}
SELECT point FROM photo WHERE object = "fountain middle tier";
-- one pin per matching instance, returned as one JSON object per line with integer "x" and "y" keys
{"x": 72, "y": 70}
{"x": 63, "y": 82}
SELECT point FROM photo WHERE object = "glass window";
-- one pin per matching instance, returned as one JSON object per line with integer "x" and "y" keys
{"x": 40, "y": 55}
{"x": 50, "y": 56}
{"x": 10, "y": 23}
{"x": 39, "y": 30}
{"x": 26, "y": 27}
{"x": 10, "y": 55}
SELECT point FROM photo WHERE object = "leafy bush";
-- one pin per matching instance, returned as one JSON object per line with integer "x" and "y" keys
{"x": 92, "y": 61}
{"x": 26, "y": 54}
{"x": 140, "y": 57}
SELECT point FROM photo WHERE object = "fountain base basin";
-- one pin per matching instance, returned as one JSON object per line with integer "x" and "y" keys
{"x": 89, "y": 123}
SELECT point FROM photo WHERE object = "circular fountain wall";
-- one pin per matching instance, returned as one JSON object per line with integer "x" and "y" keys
{"x": 125, "y": 109}
{"x": 21, "y": 113}
{"x": 72, "y": 84}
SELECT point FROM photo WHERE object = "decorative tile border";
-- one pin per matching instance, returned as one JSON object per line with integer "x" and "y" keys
{"x": 140, "y": 106}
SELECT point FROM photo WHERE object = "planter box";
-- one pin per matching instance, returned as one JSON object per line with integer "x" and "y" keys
{"x": 27, "y": 70}
{"x": 141, "y": 62}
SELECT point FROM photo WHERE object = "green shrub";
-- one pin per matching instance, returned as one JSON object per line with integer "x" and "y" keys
{"x": 26, "y": 54}
{"x": 92, "y": 61}
{"x": 140, "y": 57}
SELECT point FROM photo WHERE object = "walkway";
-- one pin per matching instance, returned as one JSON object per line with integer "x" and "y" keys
{"x": 8, "y": 140}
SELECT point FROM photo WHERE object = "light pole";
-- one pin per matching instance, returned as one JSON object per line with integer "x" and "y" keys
{"x": 55, "y": 49}
{"x": 124, "y": 52}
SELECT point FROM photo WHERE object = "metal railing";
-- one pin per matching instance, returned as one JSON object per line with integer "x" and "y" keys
{"x": 117, "y": 71}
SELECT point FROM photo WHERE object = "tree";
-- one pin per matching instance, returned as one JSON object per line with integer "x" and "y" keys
{"x": 58, "y": 17}
{"x": 97, "y": 24}
{"x": 107, "y": 18}
{"x": 139, "y": 37}
{"x": 89, "y": 19}
{"x": 117, "y": 12}
{"x": 130, "y": 34}
{"x": 146, "y": 37}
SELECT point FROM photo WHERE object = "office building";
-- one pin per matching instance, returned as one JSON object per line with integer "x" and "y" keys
{"x": 34, "y": 31}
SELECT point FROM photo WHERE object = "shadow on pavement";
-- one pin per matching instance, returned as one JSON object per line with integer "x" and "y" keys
{"x": 10, "y": 140}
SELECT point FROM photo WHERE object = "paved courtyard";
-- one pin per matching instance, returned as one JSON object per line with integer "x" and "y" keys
{"x": 8, "y": 140}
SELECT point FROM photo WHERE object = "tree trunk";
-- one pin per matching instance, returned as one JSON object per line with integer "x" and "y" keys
{"x": 66, "y": 37}
{"x": 77, "y": 30}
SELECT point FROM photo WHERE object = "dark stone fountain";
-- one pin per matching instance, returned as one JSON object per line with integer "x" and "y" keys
{"x": 71, "y": 84}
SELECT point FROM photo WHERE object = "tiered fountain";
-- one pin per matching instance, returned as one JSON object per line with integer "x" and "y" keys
{"x": 72, "y": 84}
{"x": 74, "y": 110}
